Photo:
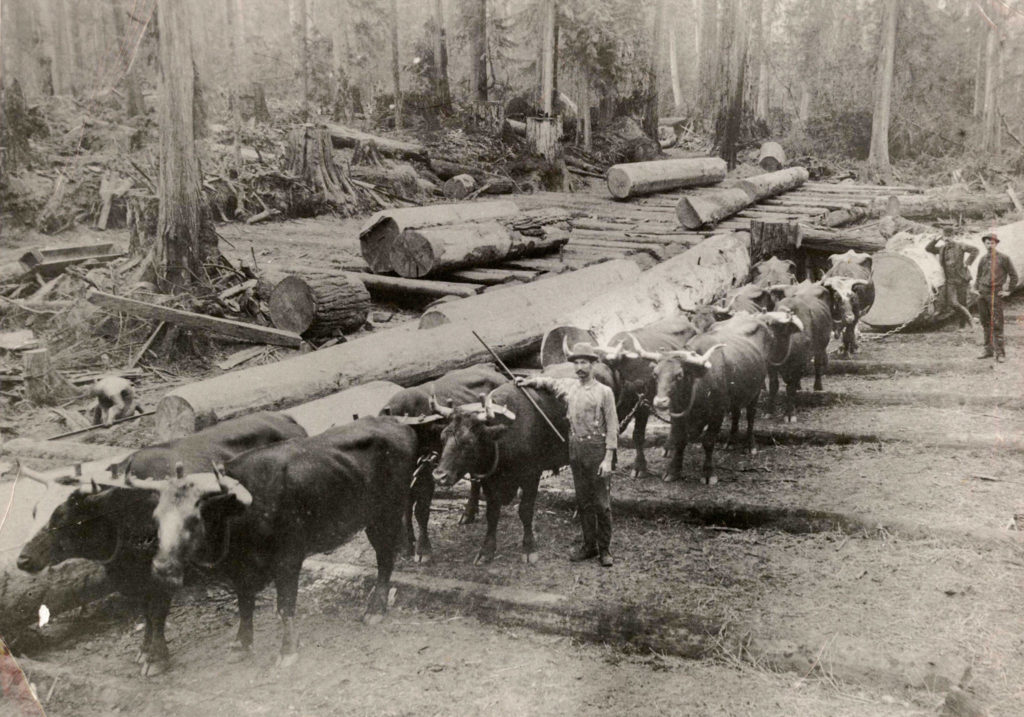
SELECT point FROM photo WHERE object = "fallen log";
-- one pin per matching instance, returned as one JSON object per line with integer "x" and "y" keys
{"x": 384, "y": 227}
{"x": 342, "y": 407}
{"x": 934, "y": 205}
{"x": 319, "y": 305}
{"x": 763, "y": 186}
{"x": 342, "y": 136}
{"x": 820, "y": 239}
{"x": 909, "y": 280}
{"x": 637, "y": 178}
{"x": 71, "y": 451}
{"x": 226, "y": 327}
{"x": 711, "y": 206}
{"x": 60, "y": 588}
{"x": 419, "y": 252}
{"x": 459, "y": 186}
{"x": 382, "y": 285}
{"x": 771, "y": 157}
{"x": 492, "y": 276}
{"x": 546, "y": 297}
{"x": 697, "y": 276}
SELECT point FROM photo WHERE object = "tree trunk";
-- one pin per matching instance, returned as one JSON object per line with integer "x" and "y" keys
{"x": 638, "y": 178}
{"x": 979, "y": 67}
{"x": 990, "y": 116}
{"x": 539, "y": 302}
{"x": 544, "y": 135}
{"x": 319, "y": 306}
{"x": 234, "y": 83}
{"x": 878, "y": 156}
{"x": 185, "y": 237}
{"x": 383, "y": 228}
{"x": 44, "y": 385}
{"x": 763, "y": 35}
{"x": 697, "y": 209}
{"x": 444, "y": 98}
{"x": 419, "y": 252}
{"x": 299, "y": 16}
{"x": 673, "y": 67}
{"x": 308, "y": 156}
{"x": 650, "y": 123}
{"x": 62, "y": 587}
{"x": 396, "y": 68}
{"x": 733, "y": 59}
{"x": 478, "y": 71}
{"x": 708, "y": 56}
{"x": 547, "y": 77}
{"x": 699, "y": 275}
{"x": 763, "y": 186}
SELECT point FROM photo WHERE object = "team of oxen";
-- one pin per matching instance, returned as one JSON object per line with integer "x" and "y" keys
{"x": 246, "y": 500}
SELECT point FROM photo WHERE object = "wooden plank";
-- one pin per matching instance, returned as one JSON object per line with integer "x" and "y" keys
{"x": 226, "y": 327}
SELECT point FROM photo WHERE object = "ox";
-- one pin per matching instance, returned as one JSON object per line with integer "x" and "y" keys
{"x": 719, "y": 371}
{"x": 629, "y": 356}
{"x": 455, "y": 387}
{"x": 256, "y": 521}
{"x": 853, "y": 293}
{"x": 772, "y": 271}
{"x": 812, "y": 305}
{"x": 507, "y": 445}
{"x": 114, "y": 525}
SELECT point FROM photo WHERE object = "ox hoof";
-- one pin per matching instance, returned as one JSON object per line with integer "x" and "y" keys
{"x": 483, "y": 558}
{"x": 712, "y": 480}
{"x": 286, "y": 661}
{"x": 790, "y": 419}
{"x": 667, "y": 478}
{"x": 152, "y": 668}
{"x": 531, "y": 558}
{"x": 422, "y": 558}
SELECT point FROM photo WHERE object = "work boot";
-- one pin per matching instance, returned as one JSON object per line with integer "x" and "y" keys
{"x": 1000, "y": 357}
{"x": 987, "y": 354}
{"x": 606, "y": 559}
{"x": 584, "y": 552}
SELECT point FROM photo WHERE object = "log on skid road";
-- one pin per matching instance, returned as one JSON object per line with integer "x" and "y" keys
{"x": 711, "y": 206}
{"x": 763, "y": 186}
{"x": 699, "y": 275}
{"x": 771, "y": 157}
{"x": 638, "y": 178}
{"x": 319, "y": 305}
{"x": 908, "y": 280}
{"x": 551, "y": 297}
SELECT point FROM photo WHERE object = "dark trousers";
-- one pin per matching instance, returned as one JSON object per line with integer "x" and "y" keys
{"x": 956, "y": 299}
{"x": 990, "y": 311}
{"x": 593, "y": 492}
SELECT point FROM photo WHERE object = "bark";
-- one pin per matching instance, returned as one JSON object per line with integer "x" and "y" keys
{"x": 233, "y": 37}
{"x": 763, "y": 186}
{"x": 544, "y": 135}
{"x": 711, "y": 206}
{"x": 771, "y": 157}
{"x": 733, "y": 59}
{"x": 478, "y": 72}
{"x": 320, "y": 306}
{"x": 638, "y": 178}
{"x": 547, "y": 78}
{"x": 185, "y": 237}
{"x": 62, "y": 587}
{"x": 763, "y": 8}
{"x": 308, "y": 156}
{"x": 673, "y": 66}
{"x": 979, "y": 67}
{"x": 342, "y": 136}
{"x": 990, "y": 116}
{"x": 540, "y": 302}
{"x": 380, "y": 286}
{"x": 444, "y": 98}
{"x": 708, "y": 55}
{"x": 650, "y": 124}
{"x": 297, "y": 16}
{"x": 396, "y": 68}
{"x": 878, "y": 156}
{"x": 459, "y": 186}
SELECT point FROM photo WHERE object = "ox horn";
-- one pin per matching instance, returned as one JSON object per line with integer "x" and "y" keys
{"x": 643, "y": 353}
{"x": 485, "y": 400}
{"x": 859, "y": 282}
{"x": 705, "y": 358}
{"x": 232, "y": 486}
{"x": 566, "y": 351}
{"x": 20, "y": 469}
{"x": 435, "y": 407}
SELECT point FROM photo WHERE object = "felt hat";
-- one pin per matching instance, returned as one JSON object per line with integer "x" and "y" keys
{"x": 992, "y": 236}
{"x": 582, "y": 350}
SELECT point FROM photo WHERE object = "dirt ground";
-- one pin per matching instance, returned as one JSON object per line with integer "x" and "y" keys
{"x": 918, "y": 569}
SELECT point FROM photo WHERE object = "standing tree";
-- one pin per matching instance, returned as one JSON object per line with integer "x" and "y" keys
{"x": 478, "y": 65}
{"x": 298, "y": 14}
{"x": 650, "y": 124}
{"x": 673, "y": 64}
{"x": 708, "y": 56}
{"x": 396, "y": 68}
{"x": 443, "y": 93}
{"x": 878, "y": 156}
{"x": 762, "y": 8}
{"x": 732, "y": 71}
{"x": 185, "y": 237}
{"x": 130, "y": 42}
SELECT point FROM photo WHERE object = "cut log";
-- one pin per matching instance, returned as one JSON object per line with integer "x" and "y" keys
{"x": 419, "y": 252}
{"x": 383, "y": 227}
{"x": 343, "y": 407}
{"x": 762, "y": 186}
{"x": 546, "y": 297}
{"x": 235, "y": 329}
{"x": 632, "y": 180}
{"x": 459, "y": 186}
{"x": 320, "y": 306}
{"x": 933, "y": 205}
{"x": 711, "y": 206}
{"x": 62, "y": 587}
{"x": 342, "y": 136}
{"x": 820, "y": 239}
{"x": 908, "y": 279}
{"x": 772, "y": 157}
{"x": 699, "y": 275}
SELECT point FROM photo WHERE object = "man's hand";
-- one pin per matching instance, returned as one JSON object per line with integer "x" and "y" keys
{"x": 1004, "y": 294}
{"x": 605, "y": 467}
{"x": 523, "y": 381}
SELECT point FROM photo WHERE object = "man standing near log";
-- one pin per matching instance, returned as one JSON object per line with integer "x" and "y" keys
{"x": 593, "y": 439}
{"x": 994, "y": 270}
{"x": 955, "y": 257}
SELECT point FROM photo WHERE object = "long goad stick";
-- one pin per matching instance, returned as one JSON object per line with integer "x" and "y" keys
{"x": 513, "y": 378}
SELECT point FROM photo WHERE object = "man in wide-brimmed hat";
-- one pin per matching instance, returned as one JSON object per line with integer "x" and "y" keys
{"x": 996, "y": 279}
{"x": 593, "y": 439}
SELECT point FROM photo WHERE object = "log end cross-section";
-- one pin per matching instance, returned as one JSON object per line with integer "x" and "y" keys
{"x": 319, "y": 306}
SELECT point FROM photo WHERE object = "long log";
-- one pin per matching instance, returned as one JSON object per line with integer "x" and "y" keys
{"x": 546, "y": 297}
{"x": 711, "y": 206}
{"x": 637, "y": 178}
{"x": 908, "y": 279}
{"x": 343, "y": 407}
{"x": 384, "y": 227}
{"x": 420, "y": 252}
{"x": 319, "y": 306}
{"x": 835, "y": 242}
{"x": 763, "y": 186}
{"x": 384, "y": 286}
{"x": 934, "y": 205}
{"x": 342, "y": 136}
{"x": 699, "y": 275}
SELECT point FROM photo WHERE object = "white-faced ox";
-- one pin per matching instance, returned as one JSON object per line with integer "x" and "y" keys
{"x": 720, "y": 371}
{"x": 111, "y": 523}
{"x": 256, "y": 521}
{"x": 812, "y": 304}
{"x": 506, "y": 444}
{"x": 454, "y": 388}
{"x": 772, "y": 271}
{"x": 853, "y": 293}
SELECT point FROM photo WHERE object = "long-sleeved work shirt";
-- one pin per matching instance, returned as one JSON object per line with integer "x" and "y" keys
{"x": 591, "y": 408}
{"x": 951, "y": 255}
{"x": 993, "y": 271}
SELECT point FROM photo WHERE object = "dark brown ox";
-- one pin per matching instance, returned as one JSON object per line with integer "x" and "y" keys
{"x": 113, "y": 524}
{"x": 853, "y": 293}
{"x": 454, "y": 388}
{"x": 256, "y": 521}
{"x": 720, "y": 371}
{"x": 631, "y": 357}
{"x": 812, "y": 305}
{"x": 507, "y": 445}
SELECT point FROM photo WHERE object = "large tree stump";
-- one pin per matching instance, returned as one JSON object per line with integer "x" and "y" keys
{"x": 308, "y": 156}
{"x": 44, "y": 385}
{"x": 711, "y": 206}
{"x": 632, "y": 180}
{"x": 319, "y": 306}
{"x": 774, "y": 238}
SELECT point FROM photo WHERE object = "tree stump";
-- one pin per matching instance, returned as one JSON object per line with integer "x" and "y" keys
{"x": 44, "y": 385}
{"x": 308, "y": 156}
{"x": 459, "y": 186}
{"x": 544, "y": 136}
{"x": 774, "y": 238}
{"x": 319, "y": 306}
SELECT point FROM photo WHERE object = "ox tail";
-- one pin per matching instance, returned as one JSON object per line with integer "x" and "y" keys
{"x": 225, "y": 544}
